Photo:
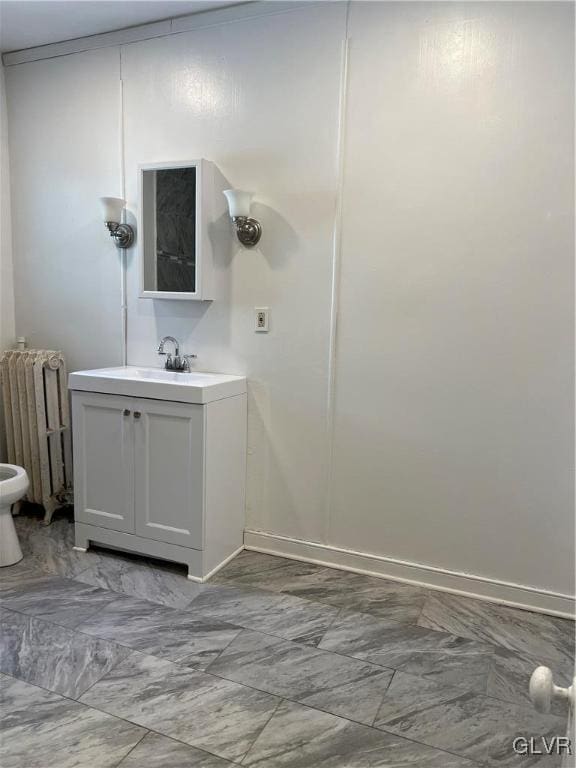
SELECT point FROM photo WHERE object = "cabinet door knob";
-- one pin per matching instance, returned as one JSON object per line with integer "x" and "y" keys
{"x": 126, "y": 412}
{"x": 137, "y": 414}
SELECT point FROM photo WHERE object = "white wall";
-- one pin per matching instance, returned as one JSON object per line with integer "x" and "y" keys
{"x": 7, "y": 324}
{"x": 452, "y": 406}
{"x": 454, "y": 427}
{"x": 7, "y": 321}
{"x": 265, "y": 110}
{"x": 64, "y": 154}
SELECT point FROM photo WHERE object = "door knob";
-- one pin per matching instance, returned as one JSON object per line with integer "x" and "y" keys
{"x": 126, "y": 412}
{"x": 137, "y": 414}
{"x": 543, "y": 691}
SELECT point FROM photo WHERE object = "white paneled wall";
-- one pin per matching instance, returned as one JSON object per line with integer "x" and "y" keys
{"x": 454, "y": 429}
{"x": 7, "y": 327}
{"x": 7, "y": 321}
{"x": 449, "y": 418}
{"x": 64, "y": 132}
{"x": 254, "y": 109}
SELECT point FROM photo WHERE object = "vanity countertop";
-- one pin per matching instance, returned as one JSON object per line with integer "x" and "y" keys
{"x": 158, "y": 384}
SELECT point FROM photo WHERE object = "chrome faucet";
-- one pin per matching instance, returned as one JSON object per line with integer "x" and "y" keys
{"x": 175, "y": 363}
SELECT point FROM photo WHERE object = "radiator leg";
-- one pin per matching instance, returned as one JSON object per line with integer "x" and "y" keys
{"x": 49, "y": 509}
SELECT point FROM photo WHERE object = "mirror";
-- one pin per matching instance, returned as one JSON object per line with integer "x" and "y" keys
{"x": 169, "y": 234}
{"x": 183, "y": 228}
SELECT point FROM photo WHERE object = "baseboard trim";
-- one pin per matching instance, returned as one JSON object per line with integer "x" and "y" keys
{"x": 221, "y": 565}
{"x": 505, "y": 593}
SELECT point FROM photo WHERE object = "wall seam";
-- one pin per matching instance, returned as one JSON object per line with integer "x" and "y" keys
{"x": 336, "y": 268}
{"x": 6, "y": 224}
{"x": 123, "y": 258}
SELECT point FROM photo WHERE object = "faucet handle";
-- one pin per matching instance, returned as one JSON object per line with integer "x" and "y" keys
{"x": 187, "y": 359}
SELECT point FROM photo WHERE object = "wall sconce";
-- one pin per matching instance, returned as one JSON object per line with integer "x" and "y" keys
{"x": 248, "y": 230}
{"x": 112, "y": 208}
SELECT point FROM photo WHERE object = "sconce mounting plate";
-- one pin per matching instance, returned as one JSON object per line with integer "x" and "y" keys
{"x": 248, "y": 230}
{"x": 123, "y": 234}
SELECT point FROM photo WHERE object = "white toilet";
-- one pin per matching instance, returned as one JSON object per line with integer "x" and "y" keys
{"x": 13, "y": 485}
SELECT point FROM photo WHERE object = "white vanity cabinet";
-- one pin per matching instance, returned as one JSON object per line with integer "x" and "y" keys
{"x": 160, "y": 477}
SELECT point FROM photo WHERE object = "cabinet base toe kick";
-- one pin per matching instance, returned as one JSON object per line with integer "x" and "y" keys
{"x": 193, "y": 559}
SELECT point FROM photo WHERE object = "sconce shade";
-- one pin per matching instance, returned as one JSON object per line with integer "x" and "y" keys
{"x": 112, "y": 208}
{"x": 238, "y": 202}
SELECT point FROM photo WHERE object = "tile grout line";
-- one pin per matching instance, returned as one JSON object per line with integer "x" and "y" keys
{"x": 362, "y": 725}
{"x": 4, "y": 604}
{"x": 429, "y": 592}
{"x": 76, "y": 701}
{"x": 116, "y": 717}
{"x": 291, "y": 700}
{"x": 310, "y": 648}
{"x": 74, "y": 630}
{"x": 142, "y": 653}
{"x": 152, "y": 730}
{"x": 430, "y": 746}
{"x": 261, "y": 731}
{"x": 321, "y": 568}
{"x": 118, "y": 765}
{"x": 232, "y": 582}
{"x": 241, "y": 630}
{"x": 105, "y": 674}
{"x": 281, "y": 699}
{"x": 317, "y": 646}
{"x": 131, "y": 649}
{"x": 236, "y": 636}
{"x": 379, "y": 707}
{"x": 493, "y": 645}
{"x": 336, "y": 616}
{"x": 121, "y": 596}
{"x": 427, "y": 597}
{"x": 180, "y": 663}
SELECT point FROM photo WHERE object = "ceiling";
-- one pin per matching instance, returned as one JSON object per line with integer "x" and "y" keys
{"x": 28, "y": 23}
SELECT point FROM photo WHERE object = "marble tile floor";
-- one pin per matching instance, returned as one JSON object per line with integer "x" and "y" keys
{"x": 111, "y": 660}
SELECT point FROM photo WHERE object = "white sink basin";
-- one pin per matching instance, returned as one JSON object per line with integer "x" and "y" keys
{"x": 158, "y": 384}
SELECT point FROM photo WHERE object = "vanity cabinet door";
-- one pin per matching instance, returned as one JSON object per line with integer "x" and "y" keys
{"x": 169, "y": 471}
{"x": 103, "y": 460}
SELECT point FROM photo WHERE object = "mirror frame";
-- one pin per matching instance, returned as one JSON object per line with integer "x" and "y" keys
{"x": 200, "y": 244}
